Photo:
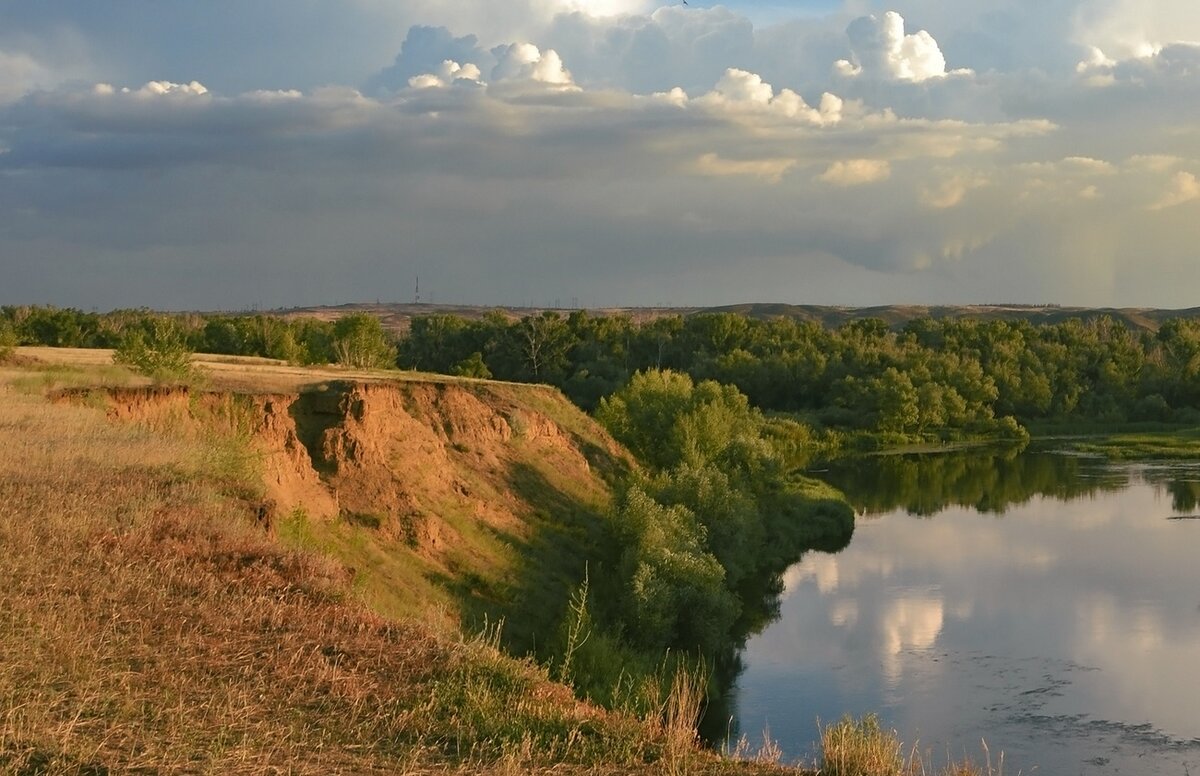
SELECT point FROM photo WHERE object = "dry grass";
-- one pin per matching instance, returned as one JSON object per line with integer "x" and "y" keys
{"x": 147, "y": 625}
{"x": 862, "y": 747}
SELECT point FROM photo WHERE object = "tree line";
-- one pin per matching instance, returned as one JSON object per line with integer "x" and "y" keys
{"x": 931, "y": 378}
{"x": 354, "y": 340}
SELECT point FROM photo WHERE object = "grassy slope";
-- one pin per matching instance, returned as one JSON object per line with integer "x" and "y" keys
{"x": 146, "y": 623}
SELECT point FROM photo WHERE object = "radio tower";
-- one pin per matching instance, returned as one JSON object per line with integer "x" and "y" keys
{"x": 417, "y": 293}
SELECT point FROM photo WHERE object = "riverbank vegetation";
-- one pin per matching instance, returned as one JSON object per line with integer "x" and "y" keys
{"x": 1167, "y": 444}
{"x": 700, "y": 536}
{"x": 860, "y": 386}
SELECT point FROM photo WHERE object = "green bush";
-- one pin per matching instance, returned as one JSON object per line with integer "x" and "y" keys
{"x": 159, "y": 351}
{"x": 8, "y": 340}
{"x": 360, "y": 341}
{"x": 472, "y": 366}
{"x": 675, "y": 592}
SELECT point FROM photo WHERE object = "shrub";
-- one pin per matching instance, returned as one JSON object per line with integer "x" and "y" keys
{"x": 852, "y": 747}
{"x": 8, "y": 340}
{"x": 160, "y": 352}
{"x": 675, "y": 593}
{"x": 472, "y": 366}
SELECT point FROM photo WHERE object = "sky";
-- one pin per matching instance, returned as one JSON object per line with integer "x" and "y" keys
{"x": 254, "y": 155}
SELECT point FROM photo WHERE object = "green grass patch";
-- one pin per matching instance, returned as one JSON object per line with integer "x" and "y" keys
{"x": 39, "y": 379}
{"x": 1183, "y": 444}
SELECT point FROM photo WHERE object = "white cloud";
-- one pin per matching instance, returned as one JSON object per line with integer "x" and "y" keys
{"x": 769, "y": 170}
{"x": 165, "y": 88}
{"x": 1097, "y": 69}
{"x": 526, "y": 62}
{"x": 856, "y": 172}
{"x": 740, "y": 91}
{"x": 450, "y": 72}
{"x": 1133, "y": 29}
{"x": 1096, "y": 60}
{"x": 1174, "y": 66}
{"x": 1184, "y": 187}
{"x": 881, "y": 49}
{"x": 1088, "y": 165}
{"x": 740, "y": 86}
{"x": 676, "y": 96}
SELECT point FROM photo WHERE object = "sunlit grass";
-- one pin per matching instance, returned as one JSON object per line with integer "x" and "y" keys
{"x": 862, "y": 747}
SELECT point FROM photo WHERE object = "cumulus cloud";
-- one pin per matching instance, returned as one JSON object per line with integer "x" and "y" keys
{"x": 156, "y": 89}
{"x": 1165, "y": 75}
{"x": 448, "y": 73}
{"x": 1184, "y": 187}
{"x": 1096, "y": 69}
{"x": 856, "y": 172}
{"x": 741, "y": 91}
{"x": 526, "y": 62}
{"x": 880, "y": 49}
{"x": 426, "y": 50}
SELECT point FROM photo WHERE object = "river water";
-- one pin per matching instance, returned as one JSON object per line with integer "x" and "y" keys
{"x": 1046, "y": 604}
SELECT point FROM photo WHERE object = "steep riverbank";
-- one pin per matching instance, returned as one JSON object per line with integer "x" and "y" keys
{"x": 152, "y": 619}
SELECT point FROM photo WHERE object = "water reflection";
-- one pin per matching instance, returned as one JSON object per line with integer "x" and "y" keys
{"x": 1185, "y": 495}
{"x": 990, "y": 482}
{"x": 1066, "y": 633}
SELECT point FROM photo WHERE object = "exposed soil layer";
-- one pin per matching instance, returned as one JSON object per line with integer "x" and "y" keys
{"x": 452, "y": 476}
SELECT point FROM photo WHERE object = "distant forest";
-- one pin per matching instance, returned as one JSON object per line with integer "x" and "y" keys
{"x": 927, "y": 378}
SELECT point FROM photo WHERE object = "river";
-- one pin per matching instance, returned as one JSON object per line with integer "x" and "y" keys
{"x": 1043, "y": 603}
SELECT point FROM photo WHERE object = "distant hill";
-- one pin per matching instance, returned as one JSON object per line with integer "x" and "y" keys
{"x": 397, "y": 316}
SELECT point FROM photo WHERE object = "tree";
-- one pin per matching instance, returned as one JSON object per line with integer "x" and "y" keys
{"x": 544, "y": 342}
{"x": 472, "y": 366}
{"x": 643, "y": 414}
{"x": 676, "y": 594}
{"x": 159, "y": 351}
{"x": 360, "y": 341}
{"x": 435, "y": 343}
